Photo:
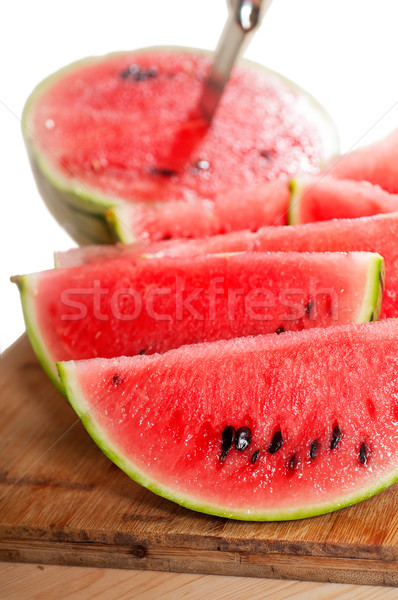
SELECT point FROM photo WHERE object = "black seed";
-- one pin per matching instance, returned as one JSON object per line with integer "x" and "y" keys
{"x": 363, "y": 459}
{"x": 371, "y": 317}
{"x": 268, "y": 154}
{"x": 223, "y": 456}
{"x": 166, "y": 238}
{"x": 292, "y": 462}
{"x": 116, "y": 379}
{"x": 243, "y": 439}
{"x": 141, "y": 352}
{"x": 309, "y": 306}
{"x": 280, "y": 330}
{"x": 314, "y": 449}
{"x": 202, "y": 164}
{"x": 163, "y": 172}
{"x": 228, "y": 437}
{"x": 254, "y": 457}
{"x": 134, "y": 73}
{"x": 336, "y": 437}
{"x": 276, "y": 443}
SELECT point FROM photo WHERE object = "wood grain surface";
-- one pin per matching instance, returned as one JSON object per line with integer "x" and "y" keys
{"x": 35, "y": 582}
{"x": 63, "y": 502}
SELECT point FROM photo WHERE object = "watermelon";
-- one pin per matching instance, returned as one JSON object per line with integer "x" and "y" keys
{"x": 247, "y": 208}
{"x": 375, "y": 163}
{"x": 114, "y": 130}
{"x": 257, "y": 428}
{"x": 372, "y": 234}
{"x": 321, "y": 198}
{"x": 162, "y": 303}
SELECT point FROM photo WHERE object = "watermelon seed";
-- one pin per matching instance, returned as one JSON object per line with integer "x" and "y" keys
{"x": 136, "y": 74}
{"x": 268, "y": 154}
{"x": 309, "y": 307}
{"x": 292, "y": 462}
{"x": 116, "y": 379}
{"x": 163, "y": 172}
{"x": 313, "y": 449}
{"x": 254, "y": 457}
{"x": 336, "y": 437}
{"x": 276, "y": 442}
{"x": 243, "y": 439}
{"x": 228, "y": 438}
{"x": 363, "y": 454}
{"x": 202, "y": 164}
{"x": 280, "y": 330}
{"x": 141, "y": 352}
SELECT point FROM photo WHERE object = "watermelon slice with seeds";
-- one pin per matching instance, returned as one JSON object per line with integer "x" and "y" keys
{"x": 322, "y": 198}
{"x": 370, "y": 234}
{"x": 155, "y": 304}
{"x": 110, "y": 131}
{"x": 257, "y": 428}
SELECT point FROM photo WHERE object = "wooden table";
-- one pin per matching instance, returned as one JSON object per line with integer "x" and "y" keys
{"x": 35, "y": 582}
{"x": 62, "y": 502}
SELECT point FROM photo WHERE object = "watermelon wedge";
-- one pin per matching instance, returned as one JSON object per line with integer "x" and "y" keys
{"x": 264, "y": 428}
{"x": 322, "y": 197}
{"x": 370, "y": 234}
{"x": 375, "y": 163}
{"x": 162, "y": 303}
{"x": 247, "y": 208}
{"x": 113, "y": 130}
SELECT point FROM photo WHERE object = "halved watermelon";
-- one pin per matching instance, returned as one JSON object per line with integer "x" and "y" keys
{"x": 125, "y": 127}
{"x": 161, "y": 303}
{"x": 247, "y": 208}
{"x": 322, "y": 197}
{"x": 264, "y": 428}
{"x": 371, "y": 234}
{"x": 375, "y": 163}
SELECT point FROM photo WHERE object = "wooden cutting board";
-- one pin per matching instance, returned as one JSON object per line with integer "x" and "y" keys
{"x": 63, "y": 502}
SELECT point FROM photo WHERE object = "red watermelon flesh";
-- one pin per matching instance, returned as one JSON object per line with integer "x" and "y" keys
{"x": 371, "y": 234}
{"x": 156, "y": 304}
{"x": 321, "y": 198}
{"x": 127, "y": 126}
{"x": 315, "y": 429}
{"x": 376, "y": 163}
{"x": 248, "y": 208}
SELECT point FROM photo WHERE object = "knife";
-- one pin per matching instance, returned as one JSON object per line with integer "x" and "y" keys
{"x": 244, "y": 17}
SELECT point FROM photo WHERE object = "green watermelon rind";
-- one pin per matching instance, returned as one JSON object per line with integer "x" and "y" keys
{"x": 26, "y": 286}
{"x": 297, "y": 186}
{"x": 77, "y": 400}
{"x": 62, "y": 194}
{"x": 373, "y": 297}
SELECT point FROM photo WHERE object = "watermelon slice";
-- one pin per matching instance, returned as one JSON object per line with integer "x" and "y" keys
{"x": 371, "y": 234}
{"x": 248, "y": 208}
{"x": 161, "y": 303}
{"x": 113, "y": 130}
{"x": 375, "y": 163}
{"x": 264, "y": 428}
{"x": 321, "y": 198}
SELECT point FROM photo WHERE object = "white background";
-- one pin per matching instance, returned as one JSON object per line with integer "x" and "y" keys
{"x": 343, "y": 51}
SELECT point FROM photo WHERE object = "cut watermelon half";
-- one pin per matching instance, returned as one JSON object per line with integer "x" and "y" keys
{"x": 109, "y": 131}
{"x": 162, "y": 303}
{"x": 375, "y": 163}
{"x": 265, "y": 428}
{"x": 370, "y": 234}
{"x": 322, "y": 198}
